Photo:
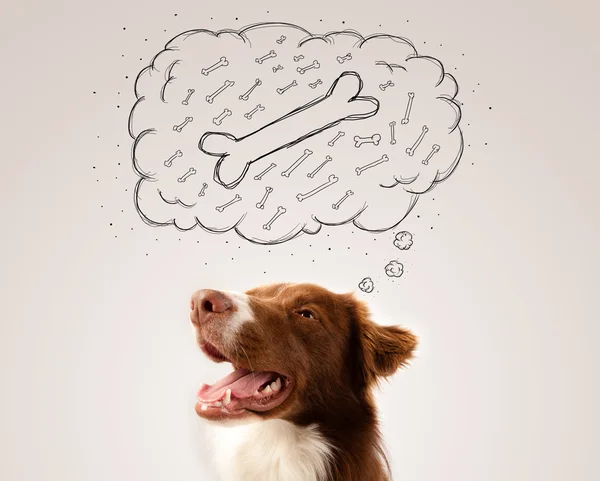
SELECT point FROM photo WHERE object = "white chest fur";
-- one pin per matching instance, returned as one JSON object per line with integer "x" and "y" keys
{"x": 272, "y": 450}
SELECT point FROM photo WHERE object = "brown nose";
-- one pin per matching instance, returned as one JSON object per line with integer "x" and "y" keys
{"x": 206, "y": 302}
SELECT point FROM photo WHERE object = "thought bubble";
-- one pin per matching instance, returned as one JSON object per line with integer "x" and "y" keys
{"x": 366, "y": 285}
{"x": 403, "y": 240}
{"x": 273, "y": 131}
{"x": 394, "y": 269}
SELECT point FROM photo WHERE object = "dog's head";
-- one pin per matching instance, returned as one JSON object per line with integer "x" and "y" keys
{"x": 298, "y": 351}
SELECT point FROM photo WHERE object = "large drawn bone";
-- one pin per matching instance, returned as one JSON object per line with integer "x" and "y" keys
{"x": 342, "y": 102}
{"x": 283, "y": 90}
{"x": 393, "y": 132}
{"x": 330, "y": 181}
{"x": 202, "y": 192}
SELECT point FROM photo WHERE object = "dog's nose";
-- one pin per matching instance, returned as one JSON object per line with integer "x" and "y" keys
{"x": 206, "y": 302}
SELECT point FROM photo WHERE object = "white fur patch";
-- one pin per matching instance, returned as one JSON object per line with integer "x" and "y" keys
{"x": 242, "y": 314}
{"x": 272, "y": 450}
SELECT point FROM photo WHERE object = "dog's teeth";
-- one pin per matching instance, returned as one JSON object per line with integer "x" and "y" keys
{"x": 227, "y": 398}
{"x": 267, "y": 390}
{"x": 276, "y": 385}
{"x": 256, "y": 393}
{"x": 217, "y": 404}
{"x": 204, "y": 407}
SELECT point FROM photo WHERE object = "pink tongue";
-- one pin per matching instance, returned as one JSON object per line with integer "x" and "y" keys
{"x": 242, "y": 382}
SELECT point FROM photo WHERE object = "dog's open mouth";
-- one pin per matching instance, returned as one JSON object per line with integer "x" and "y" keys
{"x": 241, "y": 392}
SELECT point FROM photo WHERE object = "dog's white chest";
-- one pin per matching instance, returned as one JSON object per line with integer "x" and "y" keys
{"x": 272, "y": 450}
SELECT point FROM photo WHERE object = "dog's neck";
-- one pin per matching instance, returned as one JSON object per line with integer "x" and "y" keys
{"x": 278, "y": 450}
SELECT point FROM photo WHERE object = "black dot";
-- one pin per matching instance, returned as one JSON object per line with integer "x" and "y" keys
{"x": 93, "y": 167}
{"x": 94, "y": 92}
{"x": 490, "y": 108}
{"x": 126, "y": 76}
{"x": 110, "y": 223}
{"x": 145, "y": 40}
{"x": 124, "y": 28}
{"x": 236, "y": 18}
{"x": 118, "y": 106}
{"x": 175, "y": 15}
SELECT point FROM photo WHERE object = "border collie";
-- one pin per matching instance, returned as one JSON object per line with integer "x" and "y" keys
{"x": 298, "y": 405}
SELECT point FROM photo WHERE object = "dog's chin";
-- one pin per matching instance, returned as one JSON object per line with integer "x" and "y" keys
{"x": 244, "y": 395}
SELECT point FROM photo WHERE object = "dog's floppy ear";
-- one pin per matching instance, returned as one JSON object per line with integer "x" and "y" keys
{"x": 385, "y": 349}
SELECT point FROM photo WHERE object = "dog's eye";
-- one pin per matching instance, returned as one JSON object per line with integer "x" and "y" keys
{"x": 307, "y": 314}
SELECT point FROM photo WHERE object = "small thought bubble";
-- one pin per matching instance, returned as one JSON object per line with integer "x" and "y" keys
{"x": 366, "y": 285}
{"x": 394, "y": 269}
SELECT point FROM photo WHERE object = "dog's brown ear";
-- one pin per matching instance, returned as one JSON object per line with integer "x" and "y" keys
{"x": 386, "y": 348}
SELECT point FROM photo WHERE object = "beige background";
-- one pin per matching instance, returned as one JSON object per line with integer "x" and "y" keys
{"x": 98, "y": 368}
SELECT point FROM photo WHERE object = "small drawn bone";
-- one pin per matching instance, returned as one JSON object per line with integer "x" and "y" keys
{"x": 189, "y": 173}
{"x": 316, "y": 83}
{"x": 360, "y": 170}
{"x": 316, "y": 171}
{"x": 348, "y": 56}
{"x": 336, "y": 206}
{"x": 281, "y": 39}
{"x": 434, "y": 150}
{"x": 179, "y": 128}
{"x": 280, "y": 212}
{"x": 271, "y": 54}
{"x": 331, "y": 180}
{"x": 405, "y": 120}
{"x": 374, "y": 139}
{"x": 275, "y": 69}
{"x": 202, "y": 191}
{"x": 261, "y": 204}
{"x": 221, "y": 208}
{"x": 249, "y": 115}
{"x": 298, "y": 58}
{"x": 218, "y": 120}
{"x": 281, "y": 91}
{"x": 187, "y": 99}
{"x": 263, "y": 173}
{"x": 393, "y": 132}
{"x": 223, "y": 62}
{"x": 315, "y": 65}
{"x": 299, "y": 160}
{"x": 339, "y": 135}
{"x": 228, "y": 83}
{"x": 384, "y": 86}
{"x": 246, "y": 95}
{"x": 169, "y": 161}
{"x": 411, "y": 150}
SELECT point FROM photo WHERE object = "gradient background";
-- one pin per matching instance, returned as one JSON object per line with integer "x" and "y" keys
{"x": 98, "y": 366}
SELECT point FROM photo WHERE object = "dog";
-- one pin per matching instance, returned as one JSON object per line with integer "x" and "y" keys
{"x": 298, "y": 405}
